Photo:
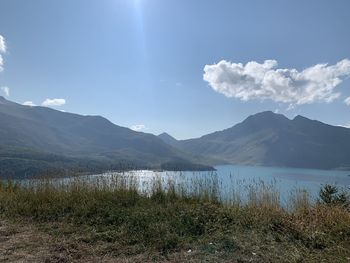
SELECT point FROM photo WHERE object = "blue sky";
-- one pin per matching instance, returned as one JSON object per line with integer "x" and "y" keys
{"x": 142, "y": 62}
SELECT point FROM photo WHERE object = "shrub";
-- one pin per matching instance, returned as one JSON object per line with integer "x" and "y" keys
{"x": 331, "y": 195}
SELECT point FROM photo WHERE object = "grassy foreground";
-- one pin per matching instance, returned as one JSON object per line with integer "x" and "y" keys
{"x": 80, "y": 222}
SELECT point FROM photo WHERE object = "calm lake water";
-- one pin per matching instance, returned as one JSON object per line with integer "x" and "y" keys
{"x": 229, "y": 181}
{"x": 235, "y": 179}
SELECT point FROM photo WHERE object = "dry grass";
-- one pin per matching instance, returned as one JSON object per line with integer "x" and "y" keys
{"x": 79, "y": 221}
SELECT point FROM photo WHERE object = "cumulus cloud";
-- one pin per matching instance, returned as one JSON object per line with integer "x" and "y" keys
{"x": 53, "y": 102}
{"x": 6, "y": 91}
{"x": 138, "y": 127}
{"x": 2, "y": 50}
{"x": 347, "y": 101}
{"x": 265, "y": 81}
{"x": 2, "y": 44}
{"x": 29, "y": 103}
{"x": 345, "y": 125}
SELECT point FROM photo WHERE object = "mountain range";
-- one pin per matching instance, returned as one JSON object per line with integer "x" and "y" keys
{"x": 41, "y": 140}
{"x": 271, "y": 139}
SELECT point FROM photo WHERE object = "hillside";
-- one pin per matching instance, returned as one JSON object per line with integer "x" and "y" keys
{"x": 272, "y": 139}
{"x": 37, "y": 139}
{"x": 165, "y": 137}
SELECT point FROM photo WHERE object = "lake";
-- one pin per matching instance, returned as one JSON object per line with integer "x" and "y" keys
{"x": 233, "y": 180}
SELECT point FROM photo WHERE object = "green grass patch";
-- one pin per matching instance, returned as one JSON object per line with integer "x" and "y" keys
{"x": 166, "y": 224}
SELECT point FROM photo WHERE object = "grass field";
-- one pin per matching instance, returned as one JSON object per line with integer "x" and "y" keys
{"x": 114, "y": 222}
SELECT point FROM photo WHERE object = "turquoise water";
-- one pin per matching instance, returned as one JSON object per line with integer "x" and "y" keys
{"x": 230, "y": 181}
{"x": 286, "y": 180}
{"x": 236, "y": 180}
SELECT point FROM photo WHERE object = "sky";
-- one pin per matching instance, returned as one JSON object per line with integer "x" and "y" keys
{"x": 178, "y": 66}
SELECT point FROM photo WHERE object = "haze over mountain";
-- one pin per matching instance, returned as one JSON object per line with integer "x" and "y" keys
{"x": 35, "y": 140}
{"x": 274, "y": 140}
{"x": 38, "y": 139}
{"x": 167, "y": 138}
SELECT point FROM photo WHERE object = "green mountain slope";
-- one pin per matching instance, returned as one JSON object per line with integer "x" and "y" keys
{"x": 43, "y": 139}
{"x": 274, "y": 140}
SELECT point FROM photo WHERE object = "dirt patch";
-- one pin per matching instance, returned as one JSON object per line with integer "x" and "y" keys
{"x": 22, "y": 242}
{"x": 25, "y": 243}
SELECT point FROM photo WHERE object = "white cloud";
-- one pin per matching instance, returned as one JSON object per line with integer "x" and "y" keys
{"x": 138, "y": 127}
{"x": 6, "y": 91}
{"x": 2, "y": 44}
{"x": 29, "y": 103}
{"x": 344, "y": 125}
{"x": 1, "y": 63}
{"x": 347, "y": 101}
{"x": 2, "y": 50}
{"x": 53, "y": 102}
{"x": 265, "y": 81}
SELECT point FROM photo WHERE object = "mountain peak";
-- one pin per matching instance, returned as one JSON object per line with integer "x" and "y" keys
{"x": 5, "y": 101}
{"x": 163, "y": 134}
{"x": 268, "y": 114}
{"x": 271, "y": 139}
{"x": 167, "y": 138}
{"x": 300, "y": 117}
{"x": 266, "y": 118}
{"x": 84, "y": 143}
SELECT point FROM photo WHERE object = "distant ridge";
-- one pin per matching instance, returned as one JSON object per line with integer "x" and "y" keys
{"x": 165, "y": 137}
{"x": 39, "y": 140}
{"x": 272, "y": 139}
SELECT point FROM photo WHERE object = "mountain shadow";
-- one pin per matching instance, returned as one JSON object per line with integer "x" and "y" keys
{"x": 271, "y": 139}
{"x": 40, "y": 140}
